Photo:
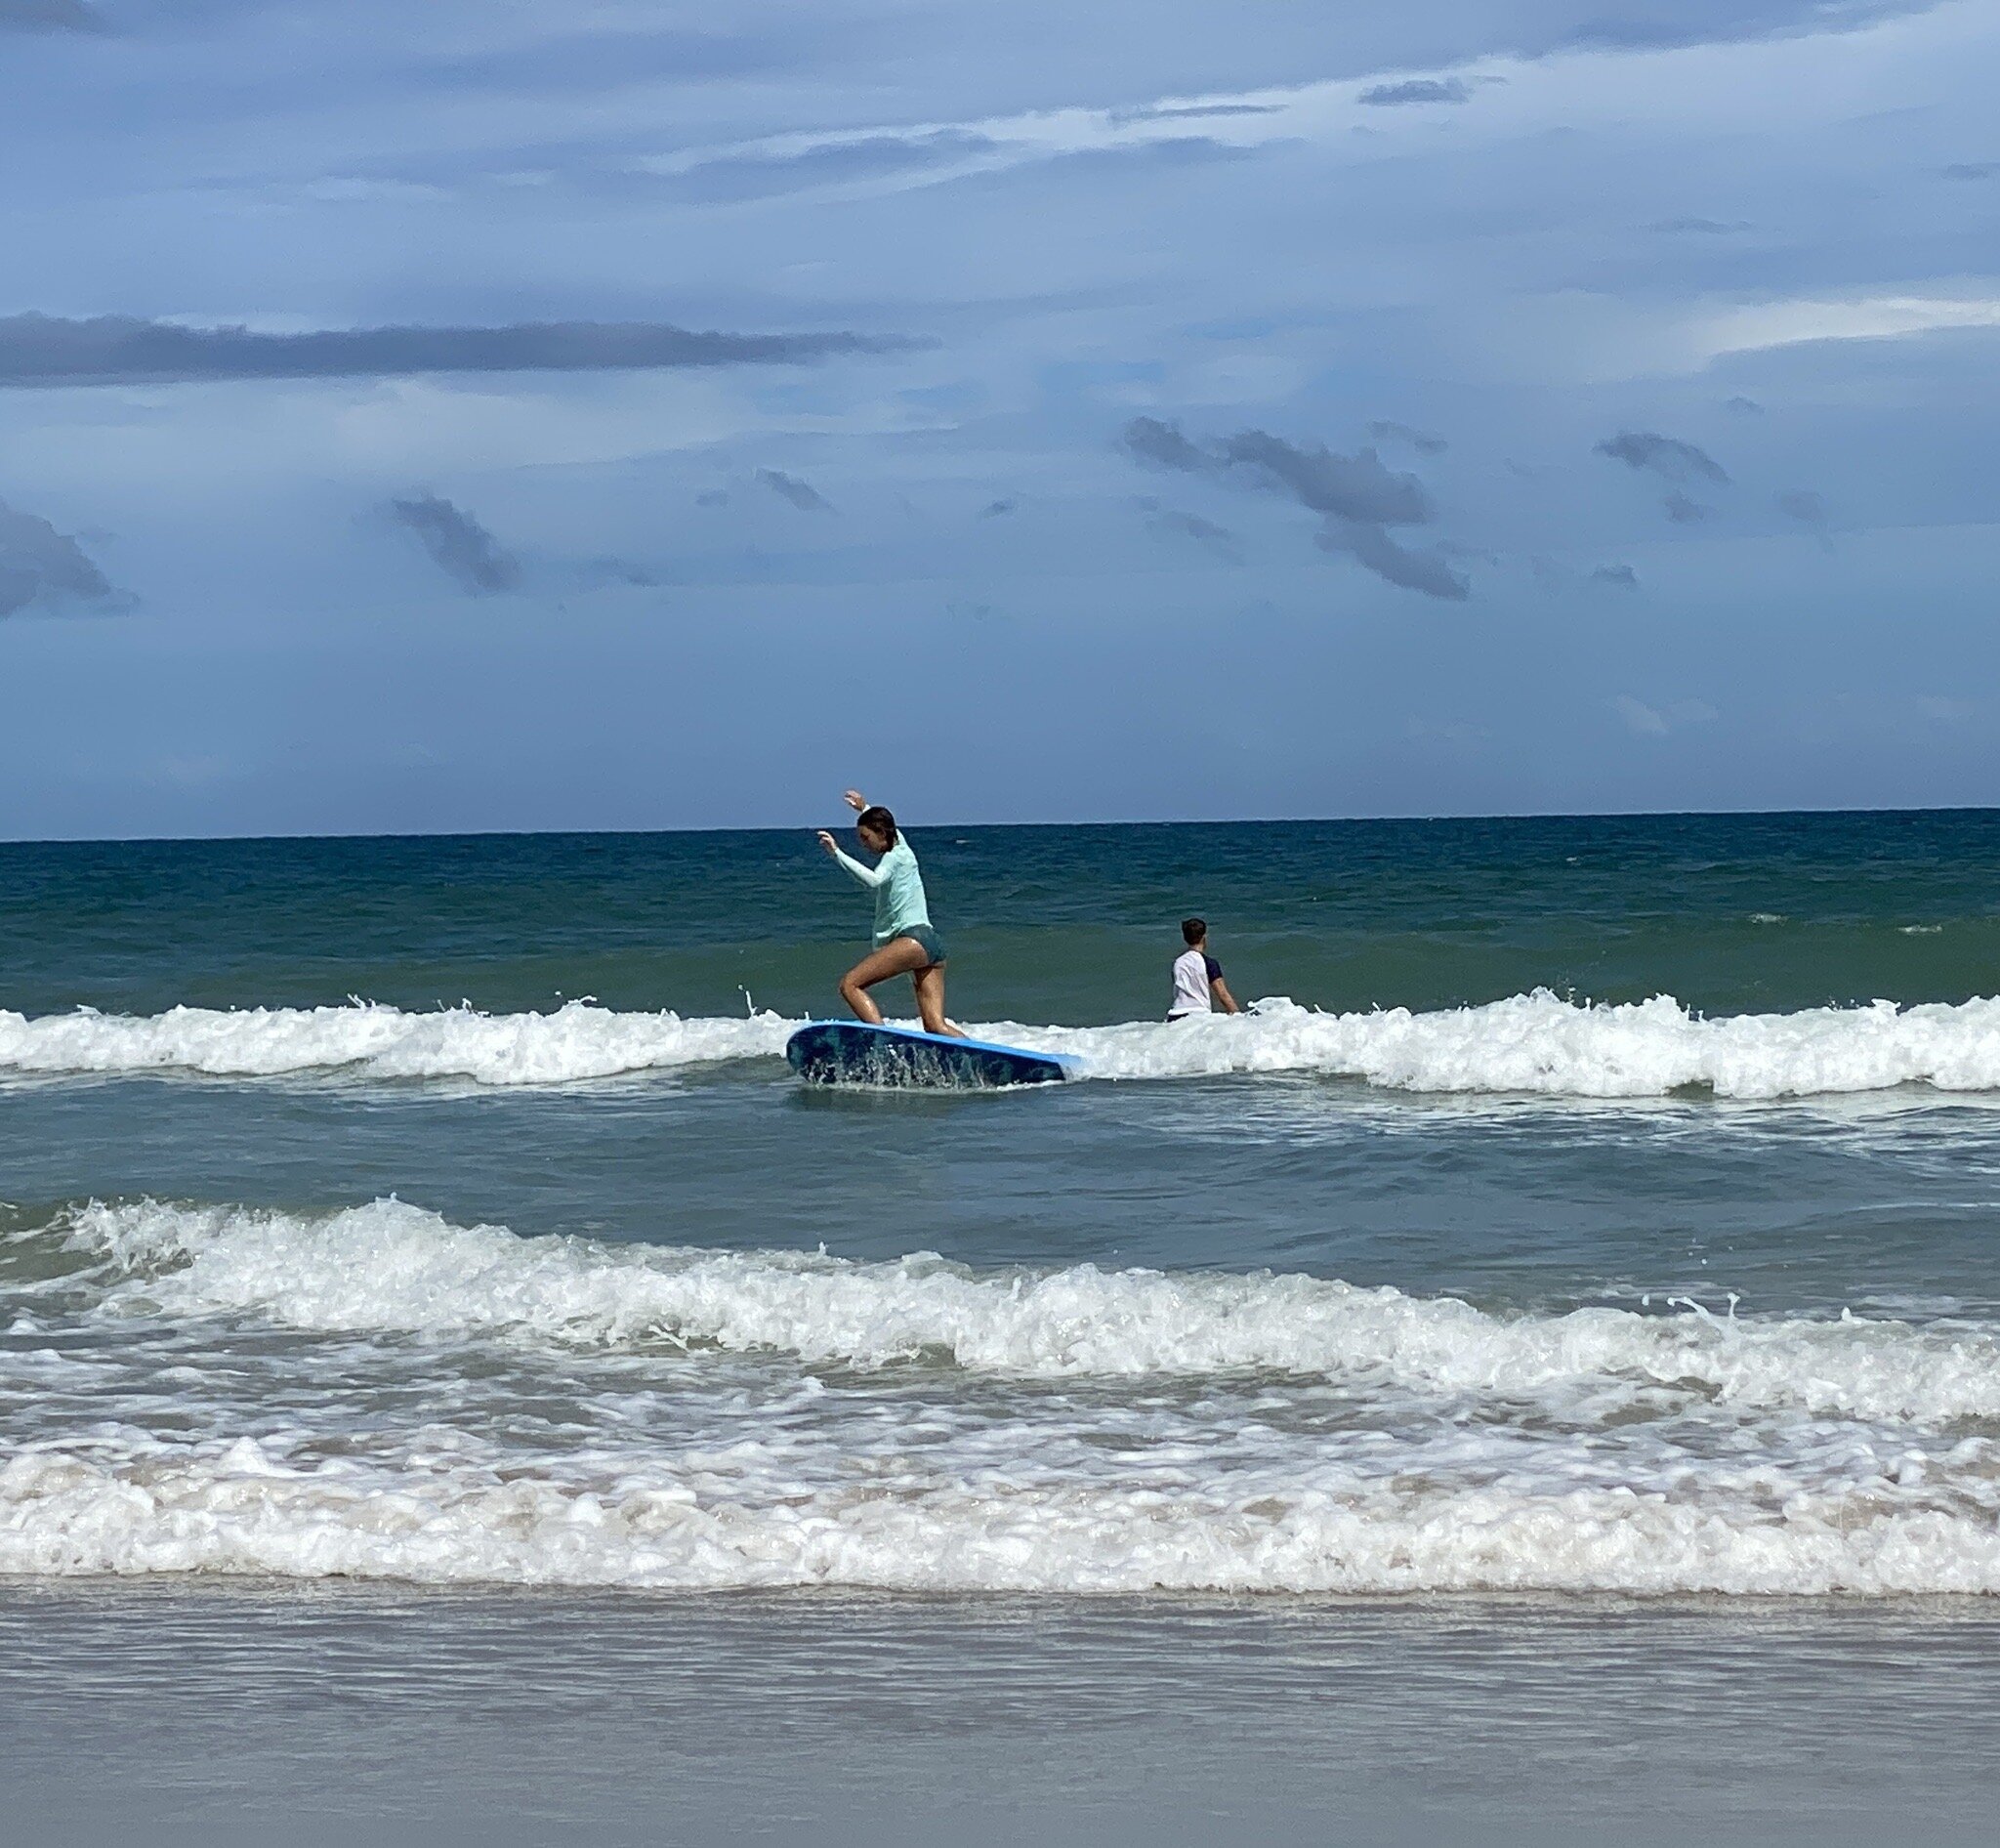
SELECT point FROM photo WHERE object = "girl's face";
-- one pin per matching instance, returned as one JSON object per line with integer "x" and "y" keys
{"x": 874, "y": 842}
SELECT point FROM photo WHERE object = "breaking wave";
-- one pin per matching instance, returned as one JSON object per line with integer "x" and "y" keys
{"x": 1532, "y": 1043}
{"x": 389, "y": 1267}
{"x": 573, "y": 1043}
{"x": 454, "y": 1405}
{"x": 1540, "y": 1043}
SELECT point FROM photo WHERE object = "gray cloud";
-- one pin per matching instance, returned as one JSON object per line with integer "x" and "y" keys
{"x": 1971, "y": 169}
{"x": 50, "y": 16}
{"x": 1683, "y": 511}
{"x": 1706, "y": 226}
{"x": 1151, "y": 441}
{"x": 1743, "y": 407}
{"x": 1560, "y": 578}
{"x": 933, "y": 156}
{"x": 762, "y": 173}
{"x": 1427, "y": 570}
{"x": 1809, "y": 510}
{"x": 1418, "y": 90}
{"x": 1189, "y": 111}
{"x": 1665, "y": 456}
{"x": 615, "y": 574}
{"x": 1421, "y": 441}
{"x": 120, "y": 349}
{"x": 1181, "y": 150}
{"x": 802, "y": 494}
{"x": 1217, "y": 539}
{"x": 462, "y": 548}
{"x": 40, "y": 566}
{"x": 1354, "y": 488}
{"x": 993, "y": 509}
{"x": 1356, "y": 499}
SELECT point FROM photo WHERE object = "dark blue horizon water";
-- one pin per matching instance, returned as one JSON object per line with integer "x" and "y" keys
{"x": 1045, "y": 923}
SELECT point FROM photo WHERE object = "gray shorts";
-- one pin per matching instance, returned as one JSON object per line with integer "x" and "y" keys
{"x": 927, "y": 941}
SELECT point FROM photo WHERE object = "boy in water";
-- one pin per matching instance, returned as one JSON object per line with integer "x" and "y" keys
{"x": 1199, "y": 985}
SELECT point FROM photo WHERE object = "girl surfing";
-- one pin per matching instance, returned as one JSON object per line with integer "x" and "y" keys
{"x": 904, "y": 942}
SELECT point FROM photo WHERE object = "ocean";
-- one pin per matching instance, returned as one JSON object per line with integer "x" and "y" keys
{"x": 1540, "y": 1369}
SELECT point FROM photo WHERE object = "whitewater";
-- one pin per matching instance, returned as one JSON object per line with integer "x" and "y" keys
{"x": 379, "y": 1392}
{"x": 1537, "y": 1044}
{"x": 393, "y": 1267}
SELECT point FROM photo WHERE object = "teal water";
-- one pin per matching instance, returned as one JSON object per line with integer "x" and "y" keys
{"x": 440, "y": 1216}
{"x": 1072, "y": 924}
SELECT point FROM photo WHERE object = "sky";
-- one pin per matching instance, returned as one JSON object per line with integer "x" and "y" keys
{"x": 606, "y": 414}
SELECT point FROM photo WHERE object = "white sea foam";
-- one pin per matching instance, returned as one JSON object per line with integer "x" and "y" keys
{"x": 1540, "y": 1043}
{"x": 393, "y": 1267}
{"x": 246, "y": 1506}
{"x": 455, "y": 1403}
{"x": 572, "y": 1043}
{"x": 1533, "y": 1043}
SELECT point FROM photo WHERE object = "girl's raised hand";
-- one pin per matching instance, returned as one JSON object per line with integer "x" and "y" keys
{"x": 827, "y": 840}
{"x": 855, "y": 800}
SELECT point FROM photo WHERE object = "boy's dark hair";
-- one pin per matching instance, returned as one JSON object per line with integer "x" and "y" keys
{"x": 878, "y": 820}
{"x": 1193, "y": 930}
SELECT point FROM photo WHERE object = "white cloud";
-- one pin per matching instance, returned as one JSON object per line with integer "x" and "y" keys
{"x": 1790, "y": 82}
{"x": 1753, "y": 327}
{"x": 1644, "y": 721}
{"x": 1639, "y": 718}
{"x": 353, "y": 189}
{"x": 1591, "y": 338}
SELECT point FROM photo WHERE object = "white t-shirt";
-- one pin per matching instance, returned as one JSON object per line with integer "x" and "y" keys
{"x": 1192, "y": 973}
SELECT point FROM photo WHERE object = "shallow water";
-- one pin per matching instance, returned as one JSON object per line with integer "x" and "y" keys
{"x": 223, "y": 1712}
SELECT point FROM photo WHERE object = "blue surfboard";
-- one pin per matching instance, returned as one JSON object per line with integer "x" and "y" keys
{"x": 851, "y": 1052}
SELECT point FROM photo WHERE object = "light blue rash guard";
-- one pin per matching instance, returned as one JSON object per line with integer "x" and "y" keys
{"x": 898, "y": 889}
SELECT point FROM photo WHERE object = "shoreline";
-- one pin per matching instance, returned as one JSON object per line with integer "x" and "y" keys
{"x": 703, "y": 1718}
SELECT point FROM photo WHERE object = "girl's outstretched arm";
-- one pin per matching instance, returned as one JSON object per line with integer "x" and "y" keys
{"x": 869, "y": 876}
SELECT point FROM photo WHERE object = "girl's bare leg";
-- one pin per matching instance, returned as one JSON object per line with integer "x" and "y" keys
{"x": 929, "y": 986}
{"x": 900, "y": 958}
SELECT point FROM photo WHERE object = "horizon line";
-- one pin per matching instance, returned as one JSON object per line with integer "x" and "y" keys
{"x": 1258, "y": 821}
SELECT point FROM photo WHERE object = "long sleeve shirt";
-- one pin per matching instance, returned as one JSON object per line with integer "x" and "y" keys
{"x": 898, "y": 889}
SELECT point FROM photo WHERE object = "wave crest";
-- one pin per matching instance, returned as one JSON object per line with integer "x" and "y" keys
{"x": 1542, "y": 1044}
{"x": 1537, "y": 1044}
{"x": 577, "y": 1041}
{"x": 391, "y": 1267}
